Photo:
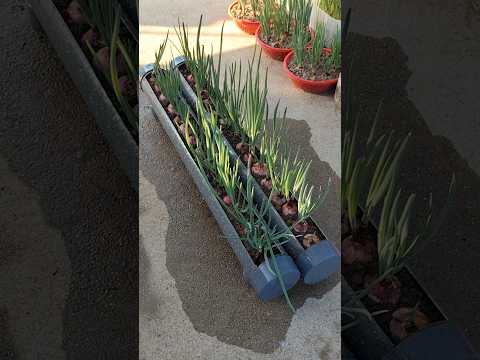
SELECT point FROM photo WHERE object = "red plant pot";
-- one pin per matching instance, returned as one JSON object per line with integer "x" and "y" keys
{"x": 273, "y": 52}
{"x": 311, "y": 86}
{"x": 248, "y": 26}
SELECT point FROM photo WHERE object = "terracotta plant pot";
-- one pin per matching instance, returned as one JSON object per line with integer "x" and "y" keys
{"x": 274, "y": 53}
{"x": 248, "y": 26}
{"x": 312, "y": 86}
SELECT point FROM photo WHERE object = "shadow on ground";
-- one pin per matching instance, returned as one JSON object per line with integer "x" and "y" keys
{"x": 207, "y": 274}
{"x": 72, "y": 185}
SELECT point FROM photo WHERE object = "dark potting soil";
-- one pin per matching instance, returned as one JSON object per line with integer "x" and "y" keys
{"x": 284, "y": 42}
{"x": 312, "y": 72}
{"x": 411, "y": 296}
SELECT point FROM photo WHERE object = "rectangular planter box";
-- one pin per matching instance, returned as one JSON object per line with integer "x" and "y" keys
{"x": 259, "y": 277}
{"x": 80, "y": 70}
{"x": 315, "y": 263}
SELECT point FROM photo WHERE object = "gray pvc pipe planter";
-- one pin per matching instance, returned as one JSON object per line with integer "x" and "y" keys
{"x": 315, "y": 263}
{"x": 265, "y": 283}
{"x": 80, "y": 70}
{"x": 366, "y": 339}
{"x": 440, "y": 340}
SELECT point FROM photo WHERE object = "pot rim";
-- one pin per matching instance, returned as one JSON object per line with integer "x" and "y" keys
{"x": 293, "y": 76}
{"x": 264, "y": 44}
{"x": 230, "y": 7}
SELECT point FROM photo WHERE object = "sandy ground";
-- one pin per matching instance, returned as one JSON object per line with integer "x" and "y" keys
{"x": 68, "y": 217}
{"x": 194, "y": 302}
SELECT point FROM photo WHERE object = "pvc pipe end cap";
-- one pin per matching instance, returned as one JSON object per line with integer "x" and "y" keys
{"x": 319, "y": 262}
{"x": 271, "y": 288}
{"x": 177, "y": 61}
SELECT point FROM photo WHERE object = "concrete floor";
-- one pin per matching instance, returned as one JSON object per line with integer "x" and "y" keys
{"x": 68, "y": 217}
{"x": 193, "y": 300}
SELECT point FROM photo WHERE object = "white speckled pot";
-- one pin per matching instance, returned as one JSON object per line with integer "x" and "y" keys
{"x": 332, "y": 25}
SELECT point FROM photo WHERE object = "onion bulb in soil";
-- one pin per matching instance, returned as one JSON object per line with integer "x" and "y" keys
{"x": 300, "y": 227}
{"x": 404, "y": 320}
{"x": 240, "y": 230}
{"x": 162, "y": 98}
{"x": 247, "y": 157}
{"x": 266, "y": 184}
{"x": 310, "y": 240}
{"x": 192, "y": 140}
{"x": 259, "y": 169}
{"x": 74, "y": 14}
{"x": 178, "y": 121}
{"x": 102, "y": 61}
{"x": 386, "y": 292}
{"x": 353, "y": 251}
{"x": 190, "y": 79}
{"x": 226, "y": 199}
{"x": 93, "y": 38}
{"x": 127, "y": 88}
{"x": 171, "y": 111}
{"x": 242, "y": 148}
{"x": 181, "y": 129}
{"x": 290, "y": 209}
{"x": 278, "y": 200}
{"x": 204, "y": 94}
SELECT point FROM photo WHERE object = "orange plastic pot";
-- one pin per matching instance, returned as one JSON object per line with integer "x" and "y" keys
{"x": 311, "y": 86}
{"x": 248, "y": 26}
{"x": 275, "y": 53}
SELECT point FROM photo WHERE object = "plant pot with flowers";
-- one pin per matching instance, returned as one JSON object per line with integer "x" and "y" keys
{"x": 244, "y": 13}
{"x": 314, "y": 68}
{"x": 87, "y": 34}
{"x": 197, "y": 139}
{"x": 278, "y": 20}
